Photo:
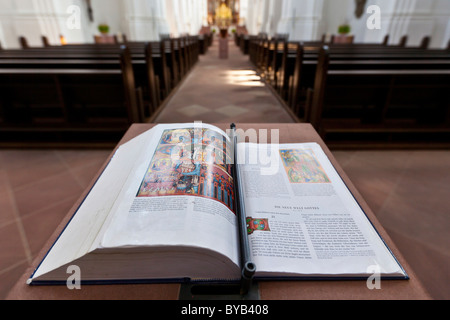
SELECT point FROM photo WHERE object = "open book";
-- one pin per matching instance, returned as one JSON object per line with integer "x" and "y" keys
{"x": 165, "y": 209}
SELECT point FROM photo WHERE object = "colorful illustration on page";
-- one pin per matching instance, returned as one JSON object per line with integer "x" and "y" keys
{"x": 302, "y": 166}
{"x": 257, "y": 225}
{"x": 190, "y": 161}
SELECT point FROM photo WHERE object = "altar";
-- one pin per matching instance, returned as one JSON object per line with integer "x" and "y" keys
{"x": 223, "y": 19}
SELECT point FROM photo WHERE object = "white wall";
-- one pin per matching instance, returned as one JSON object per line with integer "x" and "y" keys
{"x": 110, "y": 12}
{"x": 414, "y": 18}
{"x": 254, "y": 16}
{"x": 140, "y": 16}
{"x": 139, "y": 20}
{"x": 299, "y": 18}
{"x": 35, "y": 18}
{"x": 8, "y": 34}
{"x": 310, "y": 19}
{"x": 73, "y": 35}
{"x": 29, "y": 18}
{"x": 306, "y": 19}
{"x": 244, "y": 11}
{"x": 335, "y": 13}
{"x": 428, "y": 18}
{"x": 273, "y": 16}
{"x": 147, "y": 19}
{"x": 143, "y": 20}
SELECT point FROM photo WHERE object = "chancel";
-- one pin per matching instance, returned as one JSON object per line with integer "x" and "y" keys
{"x": 98, "y": 96}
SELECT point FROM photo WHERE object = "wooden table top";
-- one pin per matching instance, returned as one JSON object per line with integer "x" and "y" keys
{"x": 273, "y": 290}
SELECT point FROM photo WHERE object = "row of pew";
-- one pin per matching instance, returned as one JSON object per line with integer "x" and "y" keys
{"x": 88, "y": 93}
{"x": 361, "y": 95}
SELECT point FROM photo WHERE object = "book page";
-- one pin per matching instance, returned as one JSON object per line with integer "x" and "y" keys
{"x": 79, "y": 236}
{"x": 181, "y": 193}
{"x": 301, "y": 217}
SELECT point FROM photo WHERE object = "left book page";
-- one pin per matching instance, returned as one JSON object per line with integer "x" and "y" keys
{"x": 169, "y": 190}
{"x": 179, "y": 194}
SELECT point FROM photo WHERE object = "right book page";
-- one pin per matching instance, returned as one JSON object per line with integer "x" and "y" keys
{"x": 302, "y": 221}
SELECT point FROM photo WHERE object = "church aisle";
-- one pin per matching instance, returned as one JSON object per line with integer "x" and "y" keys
{"x": 222, "y": 91}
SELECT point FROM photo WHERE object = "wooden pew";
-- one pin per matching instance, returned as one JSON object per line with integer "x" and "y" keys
{"x": 264, "y": 62}
{"x": 193, "y": 50}
{"x": 160, "y": 53}
{"x": 351, "y": 58}
{"x": 151, "y": 74}
{"x": 137, "y": 49}
{"x": 181, "y": 55}
{"x": 403, "y": 41}
{"x": 86, "y": 59}
{"x": 23, "y": 43}
{"x": 389, "y": 104}
{"x": 278, "y": 68}
{"x": 157, "y": 76}
{"x": 266, "y": 66}
{"x": 244, "y": 43}
{"x": 66, "y": 104}
{"x": 296, "y": 82}
{"x": 262, "y": 56}
{"x": 425, "y": 43}
{"x": 203, "y": 43}
{"x": 45, "y": 41}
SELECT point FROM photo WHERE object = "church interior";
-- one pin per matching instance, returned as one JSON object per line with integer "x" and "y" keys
{"x": 371, "y": 76}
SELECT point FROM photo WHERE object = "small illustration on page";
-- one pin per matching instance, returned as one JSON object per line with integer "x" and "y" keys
{"x": 257, "y": 225}
{"x": 302, "y": 167}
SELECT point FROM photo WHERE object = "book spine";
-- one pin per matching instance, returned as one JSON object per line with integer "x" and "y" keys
{"x": 248, "y": 267}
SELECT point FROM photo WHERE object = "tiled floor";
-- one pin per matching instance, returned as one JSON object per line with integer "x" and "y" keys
{"x": 407, "y": 190}
{"x": 37, "y": 189}
{"x": 224, "y": 91}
